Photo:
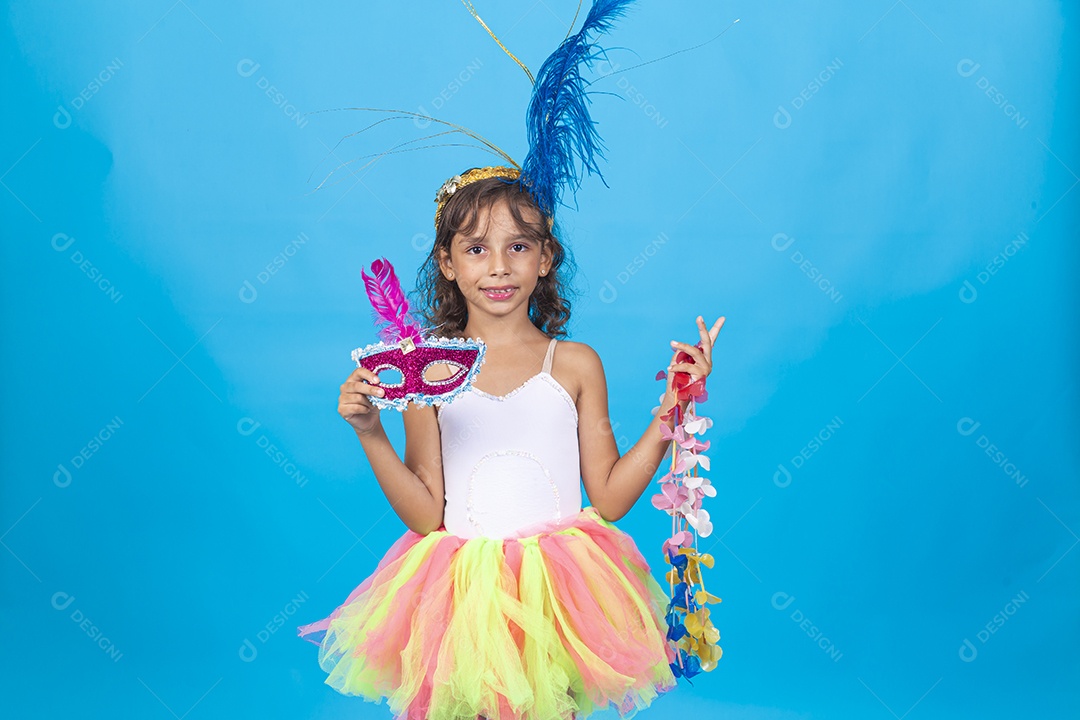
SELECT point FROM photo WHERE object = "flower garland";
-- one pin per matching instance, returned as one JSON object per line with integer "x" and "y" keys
{"x": 690, "y": 631}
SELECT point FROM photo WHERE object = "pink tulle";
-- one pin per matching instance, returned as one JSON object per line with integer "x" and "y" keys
{"x": 602, "y": 610}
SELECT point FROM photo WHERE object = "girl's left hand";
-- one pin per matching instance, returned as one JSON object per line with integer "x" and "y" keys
{"x": 701, "y": 353}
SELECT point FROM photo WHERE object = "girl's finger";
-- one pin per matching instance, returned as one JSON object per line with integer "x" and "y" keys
{"x": 714, "y": 331}
{"x": 695, "y": 370}
{"x": 348, "y": 409}
{"x": 692, "y": 350}
{"x": 359, "y": 386}
{"x": 706, "y": 341}
{"x": 362, "y": 373}
{"x": 708, "y": 337}
{"x": 363, "y": 391}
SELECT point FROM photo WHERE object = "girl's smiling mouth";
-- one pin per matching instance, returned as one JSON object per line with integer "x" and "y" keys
{"x": 499, "y": 293}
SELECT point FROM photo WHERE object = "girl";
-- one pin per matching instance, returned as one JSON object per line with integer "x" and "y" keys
{"x": 506, "y": 598}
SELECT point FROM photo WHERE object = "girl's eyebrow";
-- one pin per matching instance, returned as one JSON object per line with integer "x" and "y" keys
{"x": 482, "y": 240}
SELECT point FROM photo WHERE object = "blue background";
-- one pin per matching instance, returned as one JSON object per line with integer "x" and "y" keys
{"x": 880, "y": 197}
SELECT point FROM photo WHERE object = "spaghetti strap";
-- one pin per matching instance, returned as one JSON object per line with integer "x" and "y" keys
{"x": 547, "y": 357}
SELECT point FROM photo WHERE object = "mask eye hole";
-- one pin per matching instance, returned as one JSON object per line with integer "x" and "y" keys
{"x": 443, "y": 372}
{"x": 390, "y": 376}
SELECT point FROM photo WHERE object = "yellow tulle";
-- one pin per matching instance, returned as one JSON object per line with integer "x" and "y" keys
{"x": 538, "y": 628}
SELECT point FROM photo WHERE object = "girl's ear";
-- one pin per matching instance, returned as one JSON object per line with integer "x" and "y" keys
{"x": 545, "y": 258}
{"x": 445, "y": 265}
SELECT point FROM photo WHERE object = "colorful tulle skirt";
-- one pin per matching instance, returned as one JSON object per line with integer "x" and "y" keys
{"x": 560, "y": 620}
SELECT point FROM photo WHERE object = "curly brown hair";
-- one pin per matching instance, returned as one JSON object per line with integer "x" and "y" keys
{"x": 441, "y": 304}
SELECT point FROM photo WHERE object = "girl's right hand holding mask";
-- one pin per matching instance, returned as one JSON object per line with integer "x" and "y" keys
{"x": 353, "y": 403}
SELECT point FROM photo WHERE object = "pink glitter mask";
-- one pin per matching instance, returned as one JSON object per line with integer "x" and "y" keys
{"x": 465, "y": 355}
{"x": 406, "y": 348}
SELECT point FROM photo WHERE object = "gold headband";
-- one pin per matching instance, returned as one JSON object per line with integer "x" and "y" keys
{"x": 470, "y": 176}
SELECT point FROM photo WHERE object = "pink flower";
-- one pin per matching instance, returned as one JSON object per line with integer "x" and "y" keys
{"x": 678, "y": 540}
{"x": 670, "y": 497}
{"x": 678, "y": 434}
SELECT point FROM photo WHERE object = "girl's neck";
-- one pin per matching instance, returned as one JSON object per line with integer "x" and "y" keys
{"x": 502, "y": 331}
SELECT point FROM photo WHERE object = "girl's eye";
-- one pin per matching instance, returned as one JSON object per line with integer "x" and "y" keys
{"x": 523, "y": 247}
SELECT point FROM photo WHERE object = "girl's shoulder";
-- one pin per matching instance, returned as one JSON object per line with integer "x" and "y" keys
{"x": 578, "y": 364}
{"x": 577, "y": 353}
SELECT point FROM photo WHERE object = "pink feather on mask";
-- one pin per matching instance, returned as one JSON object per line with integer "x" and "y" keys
{"x": 391, "y": 308}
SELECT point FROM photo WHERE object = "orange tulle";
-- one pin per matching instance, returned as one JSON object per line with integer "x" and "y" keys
{"x": 556, "y": 622}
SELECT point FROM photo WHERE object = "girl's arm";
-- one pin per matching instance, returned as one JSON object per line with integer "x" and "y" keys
{"x": 414, "y": 487}
{"x": 615, "y": 483}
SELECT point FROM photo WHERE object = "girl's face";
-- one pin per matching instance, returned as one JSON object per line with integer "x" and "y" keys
{"x": 498, "y": 267}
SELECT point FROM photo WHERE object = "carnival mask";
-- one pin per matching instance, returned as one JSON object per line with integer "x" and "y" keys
{"x": 405, "y": 348}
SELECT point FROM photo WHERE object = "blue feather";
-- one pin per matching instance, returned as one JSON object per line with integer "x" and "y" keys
{"x": 561, "y": 132}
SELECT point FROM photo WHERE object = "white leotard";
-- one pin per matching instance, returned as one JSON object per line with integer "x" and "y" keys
{"x": 510, "y": 461}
